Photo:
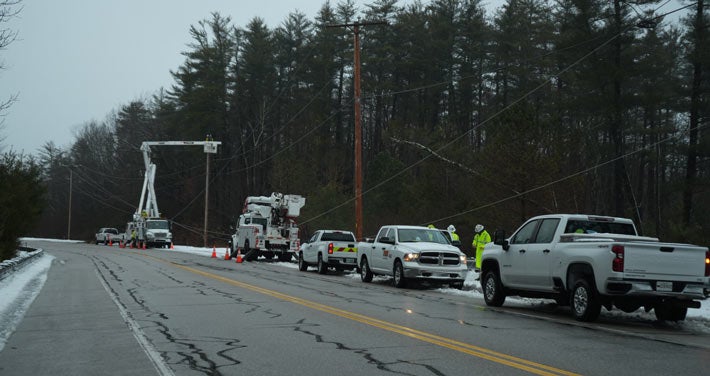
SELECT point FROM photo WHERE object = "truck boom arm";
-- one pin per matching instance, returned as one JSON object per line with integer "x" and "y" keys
{"x": 150, "y": 203}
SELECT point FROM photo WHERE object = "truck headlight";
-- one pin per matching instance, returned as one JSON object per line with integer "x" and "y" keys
{"x": 150, "y": 235}
{"x": 462, "y": 259}
{"x": 411, "y": 257}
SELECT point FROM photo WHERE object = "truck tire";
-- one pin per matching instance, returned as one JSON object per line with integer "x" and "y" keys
{"x": 247, "y": 255}
{"x": 322, "y": 267}
{"x": 302, "y": 266}
{"x": 584, "y": 302}
{"x": 493, "y": 292}
{"x": 670, "y": 312}
{"x": 365, "y": 272}
{"x": 399, "y": 279}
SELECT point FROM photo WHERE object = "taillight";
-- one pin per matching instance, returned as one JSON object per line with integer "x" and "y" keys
{"x": 617, "y": 264}
{"x": 707, "y": 263}
{"x": 330, "y": 248}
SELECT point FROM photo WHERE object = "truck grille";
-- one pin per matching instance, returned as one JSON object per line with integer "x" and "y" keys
{"x": 160, "y": 234}
{"x": 439, "y": 258}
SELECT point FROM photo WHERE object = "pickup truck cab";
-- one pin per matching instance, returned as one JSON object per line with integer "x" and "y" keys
{"x": 587, "y": 262}
{"x": 329, "y": 248}
{"x": 412, "y": 253}
{"x": 106, "y": 234}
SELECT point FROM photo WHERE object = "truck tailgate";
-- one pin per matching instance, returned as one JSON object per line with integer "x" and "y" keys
{"x": 664, "y": 260}
{"x": 344, "y": 249}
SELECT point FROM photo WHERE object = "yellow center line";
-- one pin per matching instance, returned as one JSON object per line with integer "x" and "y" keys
{"x": 466, "y": 348}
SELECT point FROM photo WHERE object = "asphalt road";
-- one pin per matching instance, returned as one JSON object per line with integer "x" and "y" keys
{"x": 115, "y": 311}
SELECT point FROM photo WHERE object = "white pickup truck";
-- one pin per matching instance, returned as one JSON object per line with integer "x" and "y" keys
{"x": 106, "y": 235}
{"x": 588, "y": 262}
{"x": 329, "y": 248}
{"x": 412, "y": 253}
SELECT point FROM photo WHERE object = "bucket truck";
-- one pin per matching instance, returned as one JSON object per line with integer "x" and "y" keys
{"x": 152, "y": 230}
{"x": 267, "y": 227}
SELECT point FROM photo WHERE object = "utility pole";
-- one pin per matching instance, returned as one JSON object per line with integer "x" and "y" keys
{"x": 358, "y": 120}
{"x": 207, "y": 199}
{"x": 71, "y": 179}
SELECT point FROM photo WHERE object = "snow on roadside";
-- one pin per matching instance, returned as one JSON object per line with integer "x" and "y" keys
{"x": 19, "y": 290}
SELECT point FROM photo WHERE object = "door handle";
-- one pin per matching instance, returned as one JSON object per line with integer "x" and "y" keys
{"x": 522, "y": 251}
{"x": 546, "y": 251}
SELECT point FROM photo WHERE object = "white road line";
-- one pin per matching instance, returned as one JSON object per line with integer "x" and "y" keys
{"x": 148, "y": 348}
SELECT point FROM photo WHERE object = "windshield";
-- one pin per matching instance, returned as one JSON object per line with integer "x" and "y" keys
{"x": 157, "y": 225}
{"x": 412, "y": 235}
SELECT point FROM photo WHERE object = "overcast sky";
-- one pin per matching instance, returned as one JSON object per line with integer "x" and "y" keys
{"x": 78, "y": 60}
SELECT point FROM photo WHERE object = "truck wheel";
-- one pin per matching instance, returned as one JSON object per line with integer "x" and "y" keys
{"x": 322, "y": 267}
{"x": 398, "y": 273}
{"x": 246, "y": 252}
{"x": 584, "y": 302}
{"x": 493, "y": 292}
{"x": 302, "y": 266}
{"x": 670, "y": 312}
{"x": 365, "y": 272}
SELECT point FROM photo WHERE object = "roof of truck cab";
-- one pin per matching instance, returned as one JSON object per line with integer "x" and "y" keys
{"x": 411, "y": 227}
{"x": 585, "y": 216}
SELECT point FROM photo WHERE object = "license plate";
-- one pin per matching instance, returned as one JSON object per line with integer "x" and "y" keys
{"x": 664, "y": 286}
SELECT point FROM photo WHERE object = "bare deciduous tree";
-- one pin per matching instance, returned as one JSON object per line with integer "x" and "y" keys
{"x": 8, "y": 10}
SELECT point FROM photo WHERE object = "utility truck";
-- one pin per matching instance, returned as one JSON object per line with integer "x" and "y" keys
{"x": 152, "y": 230}
{"x": 588, "y": 262}
{"x": 267, "y": 227}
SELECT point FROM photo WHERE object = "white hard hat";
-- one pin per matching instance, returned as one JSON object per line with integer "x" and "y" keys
{"x": 451, "y": 228}
{"x": 478, "y": 228}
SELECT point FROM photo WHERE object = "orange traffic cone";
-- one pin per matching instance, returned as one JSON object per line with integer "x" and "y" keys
{"x": 239, "y": 256}
{"x": 172, "y": 245}
{"x": 226, "y": 254}
{"x": 214, "y": 252}
{"x": 110, "y": 241}
{"x": 143, "y": 244}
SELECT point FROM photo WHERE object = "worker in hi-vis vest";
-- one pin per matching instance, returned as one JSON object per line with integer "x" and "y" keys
{"x": 480, "y": 239}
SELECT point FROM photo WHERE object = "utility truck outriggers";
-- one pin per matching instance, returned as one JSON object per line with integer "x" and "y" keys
{"x": 267, "y": 227}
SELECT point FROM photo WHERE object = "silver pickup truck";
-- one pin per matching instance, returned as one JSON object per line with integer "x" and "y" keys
{"x": 587, "y": 262}
{"x": 412, "y": 253}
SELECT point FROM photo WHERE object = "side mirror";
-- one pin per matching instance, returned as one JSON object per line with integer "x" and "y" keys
{"x": 456, "y": 243}
{"x": 499, "y": 238}
{"x": 387, "y": 240}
